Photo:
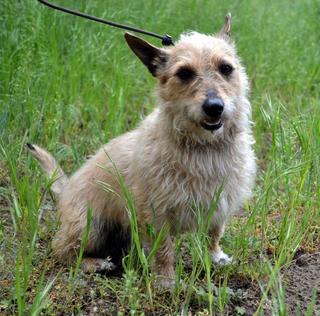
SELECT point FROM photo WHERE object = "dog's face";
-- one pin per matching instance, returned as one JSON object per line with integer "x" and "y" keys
{"x": 201, "y": 80}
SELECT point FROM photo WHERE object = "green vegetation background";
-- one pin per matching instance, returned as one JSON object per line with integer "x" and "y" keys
{"x": 71, "y": 85}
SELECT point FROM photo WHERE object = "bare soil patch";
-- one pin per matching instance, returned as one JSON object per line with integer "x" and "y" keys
{"x": 97, "y": 294}
{"x": 302, "y": 281}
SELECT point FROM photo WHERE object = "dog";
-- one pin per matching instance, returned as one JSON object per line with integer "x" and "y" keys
{"x": 196, "y": 140}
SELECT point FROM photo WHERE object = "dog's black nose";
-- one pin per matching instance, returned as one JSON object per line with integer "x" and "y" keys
{"x": 213, "y": 106}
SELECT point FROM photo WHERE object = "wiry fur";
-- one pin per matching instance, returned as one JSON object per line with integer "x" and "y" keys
{"x": 169, "y": 162}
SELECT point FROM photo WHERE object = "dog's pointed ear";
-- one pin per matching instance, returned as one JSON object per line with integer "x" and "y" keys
{"x": 225, "y": 32}
{"x": 152, "y": 56}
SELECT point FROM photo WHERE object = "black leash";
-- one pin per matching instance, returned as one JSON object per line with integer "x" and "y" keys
{"x": 166, "y": 39}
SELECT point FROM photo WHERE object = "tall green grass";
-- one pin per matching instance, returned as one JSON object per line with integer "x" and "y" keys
{"x": 71, "y": 85}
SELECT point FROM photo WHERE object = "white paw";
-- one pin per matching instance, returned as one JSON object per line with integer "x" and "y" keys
{"x": 107, "y": 265}
{"x": 219, "y": 257}
{"x": 96, "y": 265}
{"x": 165, "y": 283}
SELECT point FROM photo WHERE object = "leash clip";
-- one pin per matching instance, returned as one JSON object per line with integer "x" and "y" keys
{"x": 167, "y": 40}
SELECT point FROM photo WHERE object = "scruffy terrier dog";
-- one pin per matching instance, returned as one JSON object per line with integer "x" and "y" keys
{"x": 198, "y": 139}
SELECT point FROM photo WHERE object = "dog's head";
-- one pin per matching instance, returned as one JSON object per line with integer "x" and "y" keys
{"x": 202, "y": 85}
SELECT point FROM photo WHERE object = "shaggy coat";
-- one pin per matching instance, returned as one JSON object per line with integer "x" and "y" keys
{"x": 171, "y": 161}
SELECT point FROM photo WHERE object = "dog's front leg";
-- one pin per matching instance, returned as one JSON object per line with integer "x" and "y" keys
{"x": 218, "y": 256}
{"x": 163, "y": 266}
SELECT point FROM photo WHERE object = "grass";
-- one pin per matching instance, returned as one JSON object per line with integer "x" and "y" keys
{"x": 71, "y": 85}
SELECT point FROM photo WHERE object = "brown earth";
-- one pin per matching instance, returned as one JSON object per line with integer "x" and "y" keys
{"x": 92, "y": 296}
{"x": 302, "y": 281}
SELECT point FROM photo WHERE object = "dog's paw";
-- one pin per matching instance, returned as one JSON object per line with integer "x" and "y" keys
{"x": 221, "y": 258}
{"x": 90, "y": 265}
{"x": 164, "y": 283}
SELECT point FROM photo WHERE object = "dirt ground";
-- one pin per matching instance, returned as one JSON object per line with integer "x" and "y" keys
{"x": 301, "y": 281}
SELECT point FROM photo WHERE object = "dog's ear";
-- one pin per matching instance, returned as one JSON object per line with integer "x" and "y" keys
{"x": 152, "y": 56}
{"x": 225, "y": 32}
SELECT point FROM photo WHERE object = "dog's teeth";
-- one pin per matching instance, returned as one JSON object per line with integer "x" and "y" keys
{"x": 212, "y": 123}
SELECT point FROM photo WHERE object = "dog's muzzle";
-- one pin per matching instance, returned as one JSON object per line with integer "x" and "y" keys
{"x": 212, "y": 108}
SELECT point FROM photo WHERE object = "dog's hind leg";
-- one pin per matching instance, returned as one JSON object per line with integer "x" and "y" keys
{"x": 107, "y": 243}
{"x": 89, "y": 264}
{"x": 66, "y": 246}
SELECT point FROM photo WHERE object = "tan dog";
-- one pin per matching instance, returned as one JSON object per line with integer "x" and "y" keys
{"x": 197, "y": 139}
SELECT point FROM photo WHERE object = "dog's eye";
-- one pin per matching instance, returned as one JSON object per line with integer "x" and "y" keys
{"x": 185, "y": 73}
{"x": 225, "y": 69}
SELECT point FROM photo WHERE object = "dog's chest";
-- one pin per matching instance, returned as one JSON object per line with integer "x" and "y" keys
{"x": 196, "y": 177}
{"x": 191, "y": 185}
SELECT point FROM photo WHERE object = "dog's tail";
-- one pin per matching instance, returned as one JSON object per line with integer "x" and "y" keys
{"x": 51, "y": 168}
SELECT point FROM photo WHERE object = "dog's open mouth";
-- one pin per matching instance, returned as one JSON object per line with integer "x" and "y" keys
{"x": 211, "y": 125}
